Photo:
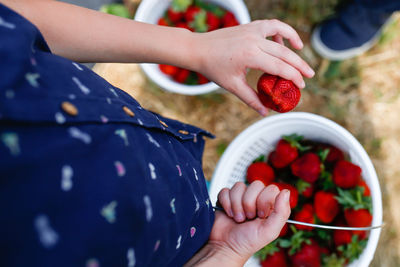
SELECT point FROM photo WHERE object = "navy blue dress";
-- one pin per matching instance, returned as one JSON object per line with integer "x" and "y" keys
{"x": 87, "y": 176}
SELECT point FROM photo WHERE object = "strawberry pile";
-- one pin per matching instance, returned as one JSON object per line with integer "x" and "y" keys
{"x": 196, "y": 16}
{"x": 325, "y": 188}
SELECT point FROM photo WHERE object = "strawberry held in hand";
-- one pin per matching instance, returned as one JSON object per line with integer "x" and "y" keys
{"x": 277, "y": 93}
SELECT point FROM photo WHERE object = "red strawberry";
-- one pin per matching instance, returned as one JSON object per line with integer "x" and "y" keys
{"x": 229, "y": 20}
{"x": 304, "y": 188}
{"x": 182, "y": 75}
{"x": 260, "y": 171}
{"x": 191, "y": 13}
{"x": 212, "y": 21}
{"x": 231, "y": 23}
{"x": 334, "y": 154}
{"x": 342, "y": 237}
{"x": 168, "y": 69}
{"x": 357, "y": 209}
{"x": 275, "y": 260}
{"x": 294, "y": 194}
{"x": 173, "y": 15}
{"x": 278, "y": 94}
{"x": 272, "y": 255}
{"x": 306, "y": 214}
{"x": 307, "y": 167}
{"x": 284, "y": 231}
{"x": 346, "y": 174}
{"x": 363, "y": 184}
{"x": 183, "y": 25}
{"x": 202, "y": 79}
{"x": 324, "y": 250}
{"x": 358, "y": 218}
{"x": 326, "y": 206}
{"x": 162, "y": 22}
{"x": 283, "y": 155}
{"x": 307, "y": 256}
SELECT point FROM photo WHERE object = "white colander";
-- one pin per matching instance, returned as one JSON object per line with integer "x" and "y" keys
{"x": 261, "y": 138}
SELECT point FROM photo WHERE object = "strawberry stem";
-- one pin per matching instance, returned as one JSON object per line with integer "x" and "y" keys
{"x": 268, "y": 250}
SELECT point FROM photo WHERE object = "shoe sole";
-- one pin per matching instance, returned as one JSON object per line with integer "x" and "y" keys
{"x": 336, "y": 55}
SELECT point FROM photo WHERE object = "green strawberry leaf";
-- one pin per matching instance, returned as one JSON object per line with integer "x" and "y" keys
{"x": 302, "y": 185}
{"x": 294, "y": 141}
{"x": 116, "y": 9}
{"x": 324, "y": 234}
{"x": 354, "y": 249}
{"x": 181, "y": 5}
{"x": 200, "y": 22}
{"x": 192, "y": 79}
{"x": 268, "y": 250}
{"x": 333, "y": 261}
{"x": 326, "y": 180}
{"x": 354, "y": 199}
{"x": 260, "y": 159}
{"x": 285, "y": 243}
{"x": 296, "y": 241}
{"x": 219, "y": 12}
{"x": 323, "y": 154}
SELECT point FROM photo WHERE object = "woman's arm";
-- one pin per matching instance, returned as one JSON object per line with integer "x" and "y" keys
{"x": 85, "y": 35}
{"x": 223, "y": 56}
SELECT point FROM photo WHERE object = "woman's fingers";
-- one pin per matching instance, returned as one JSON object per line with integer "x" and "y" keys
{"x": 225, "y": 201}
{"x": 255, "y": 200}
{"x": 266, "y": 200}
{"x": 272, "y": 226}
{"x": 249, "y": 200}
{"x": 286, "y": 55}
{"x": 236, "y": 195}
{"x": 275, "y": 27}
{"x": 278, "y": 39}
{"x": 275, "y": 66}
{"x": 249, "y": 96}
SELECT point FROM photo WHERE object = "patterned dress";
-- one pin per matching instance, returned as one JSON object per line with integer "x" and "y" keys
{"x": 87, "y": 176}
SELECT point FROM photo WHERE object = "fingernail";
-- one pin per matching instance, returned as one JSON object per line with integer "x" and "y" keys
{"x": 230, "y": 213}
{"x": 301, "y": 45}
{"x": 250, "y": 215}
{"x": 303, "y": 84}
{"x": 287, "y": 195}
{"x": 263, "y": 112}
{"x": 311, "y": 72}
{"x": 239, "y": 217}
{"x": 261, "y": 214}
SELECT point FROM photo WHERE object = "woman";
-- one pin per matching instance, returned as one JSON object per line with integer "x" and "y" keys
{"x": 89, "y": 177}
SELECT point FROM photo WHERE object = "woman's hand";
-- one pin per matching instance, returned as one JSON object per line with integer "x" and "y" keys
{"x": 253, "y": 217}
{"x": 224, "y": 56}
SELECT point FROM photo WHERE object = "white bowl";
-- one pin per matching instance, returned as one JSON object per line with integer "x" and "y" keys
{"x": 261, "y": 138}
{"x": 150, "y": 11}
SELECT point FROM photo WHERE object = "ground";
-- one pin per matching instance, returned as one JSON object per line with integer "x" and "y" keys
{"x": 361, "y": 94}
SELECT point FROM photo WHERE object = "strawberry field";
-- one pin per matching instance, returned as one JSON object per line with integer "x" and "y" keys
{"x": 361, "y": 94}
